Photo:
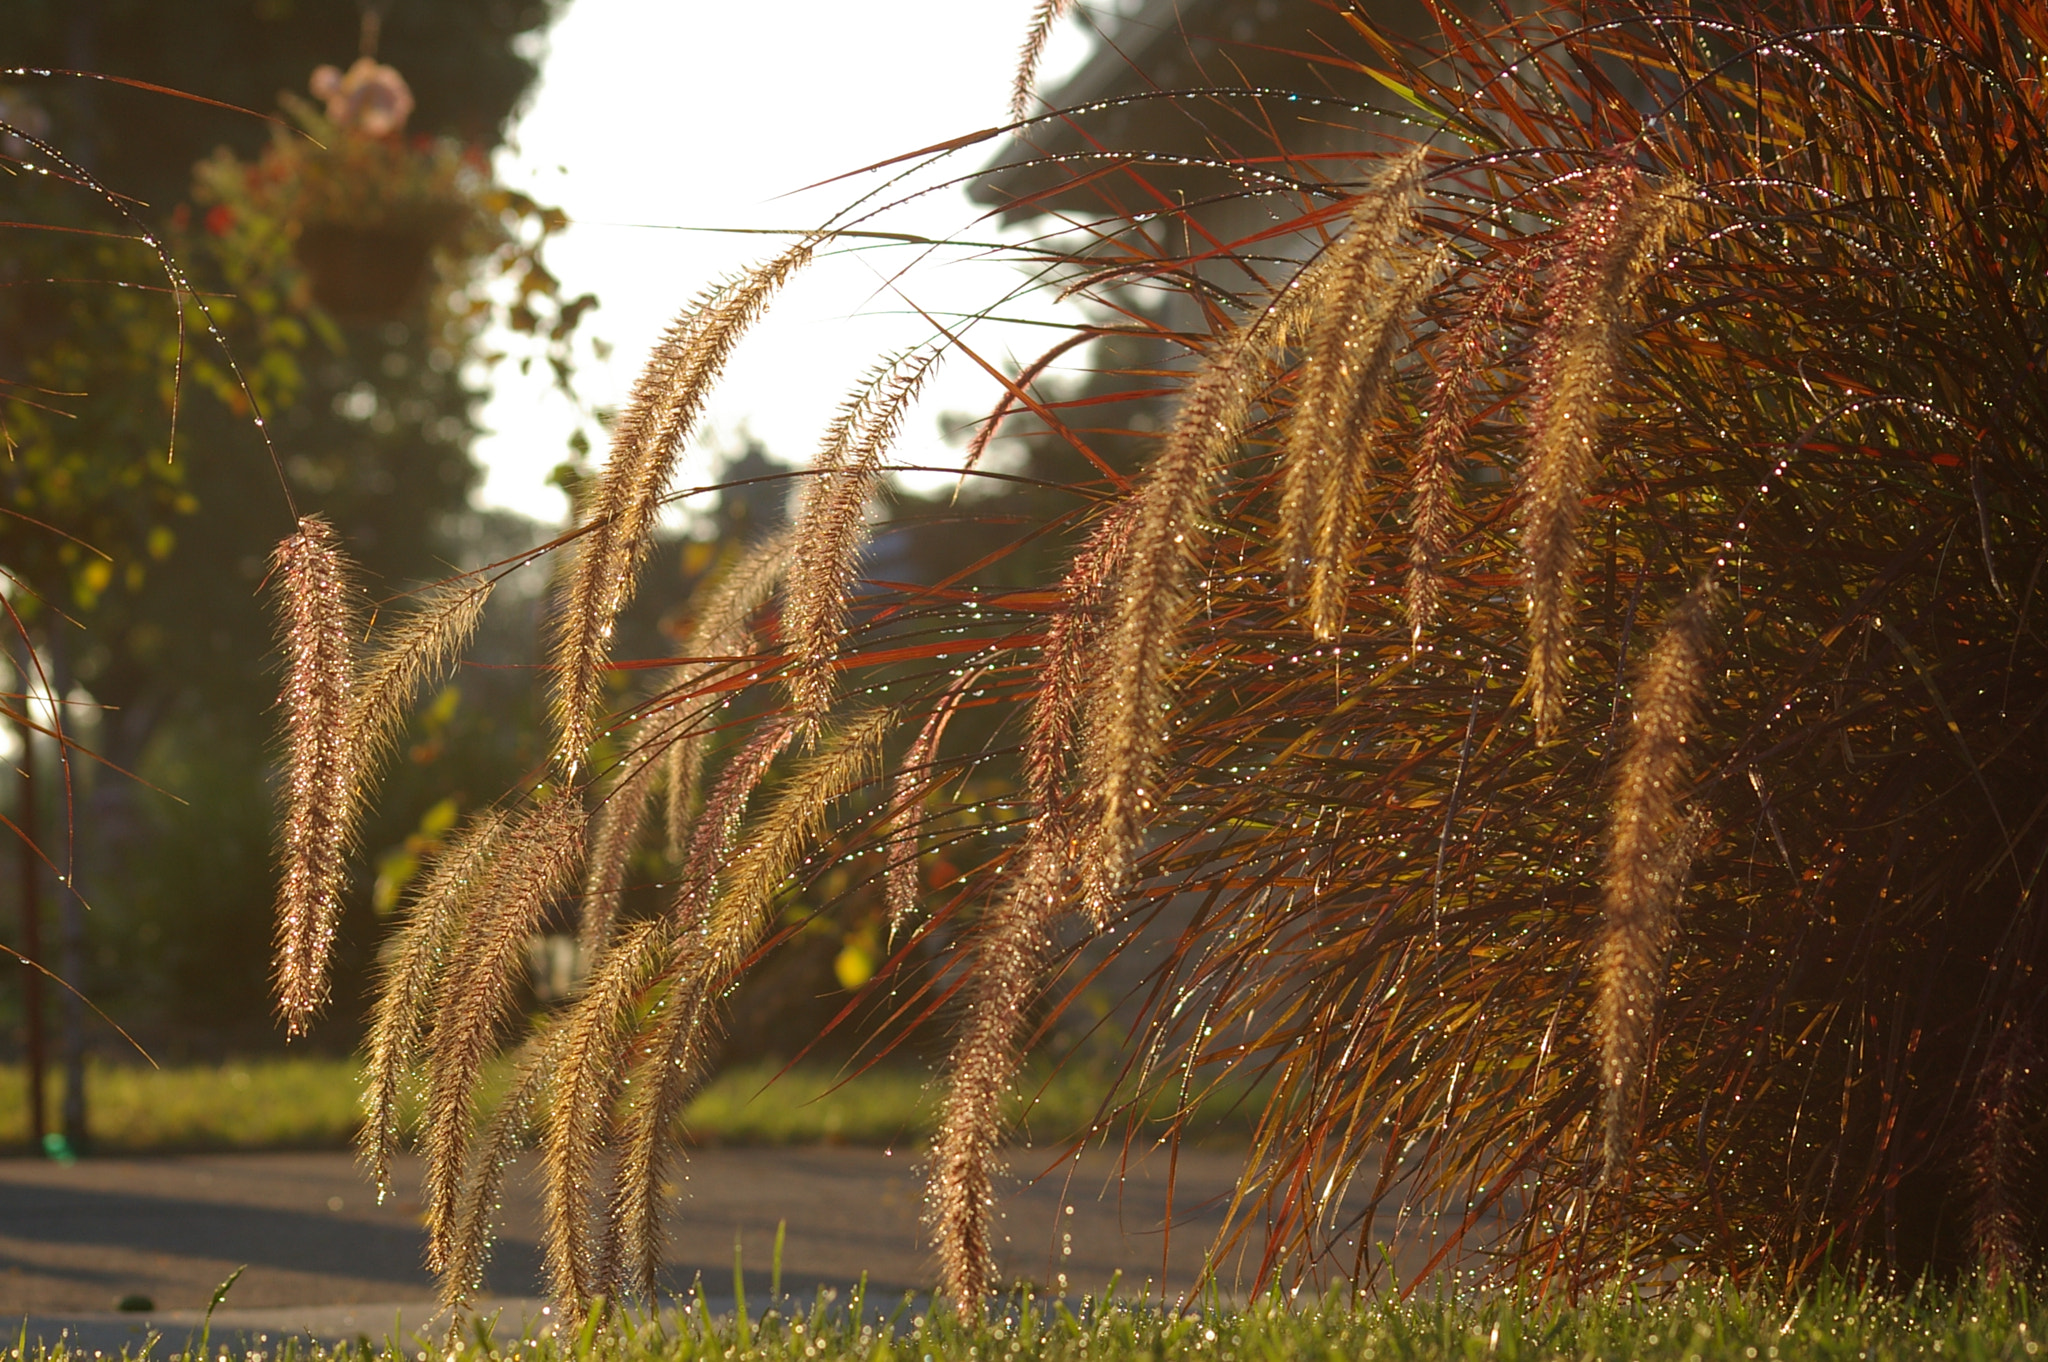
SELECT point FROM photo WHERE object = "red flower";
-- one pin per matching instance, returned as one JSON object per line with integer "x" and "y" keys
{"x": 219, "y": 219}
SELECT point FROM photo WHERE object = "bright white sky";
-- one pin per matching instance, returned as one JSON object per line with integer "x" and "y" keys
{"x": 655, "y": 115}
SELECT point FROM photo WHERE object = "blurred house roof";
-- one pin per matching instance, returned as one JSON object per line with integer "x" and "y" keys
{"x": 1123, "y": 144}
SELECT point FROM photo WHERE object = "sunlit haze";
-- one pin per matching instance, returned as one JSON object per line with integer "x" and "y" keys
{"x": 653, "y": 121}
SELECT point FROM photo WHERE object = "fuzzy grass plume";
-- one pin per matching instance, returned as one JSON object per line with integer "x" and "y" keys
{"x": 1611, "y": 244}
{"x": 1008, "y": 952}
{"x": 1649, "y": 853}
{"x": 668, "y": 744}
{"x": 1125, "y": 706}
{"x": 832, "y": 523}
{"x": 415, "y": 959}
{"x": 2001, "y": 1163}
{"x": 710, "y": 956}
{"x": 412, "y": 655}
{"x": 542, "y": 848}
{"x": 1045, "y": 15}
{"x": 318, "y": 611}
{"x": 646, "y": 443}
{"x": 1468, "y": 353}
{"x": 1363, "y": 295}
{"x": 722, "y": 630}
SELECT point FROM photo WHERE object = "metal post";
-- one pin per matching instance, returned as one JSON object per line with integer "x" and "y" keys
{"x": 70, "y": 922}
{"x": 31, "y": 928}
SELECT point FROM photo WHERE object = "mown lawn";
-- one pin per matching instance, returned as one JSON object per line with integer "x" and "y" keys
{"x": 313, "y": 1103}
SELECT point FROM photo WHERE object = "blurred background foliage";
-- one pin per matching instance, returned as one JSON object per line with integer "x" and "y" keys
{"x": 156, "y": 554}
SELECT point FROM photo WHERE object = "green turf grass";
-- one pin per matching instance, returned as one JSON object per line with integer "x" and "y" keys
{"x": 1696, "y": 1323}
{"x": 313, "y": 1103}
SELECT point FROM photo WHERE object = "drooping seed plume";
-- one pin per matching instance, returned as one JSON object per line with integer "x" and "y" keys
{"x": 674, "y": 1051}
{"x": 1650, "y": 846}
{"x": 412, "y": 655}
{"x": 667, "y": 745}
{"x": 914, "y": 777}
{"x": 533, "y": 1079}
{"x": 619, "y": 523}
{"x": 541, "y": 851}
{"x": 831, "y": 526}
{"x": 2001, "y": 1150}
{"x": 1062, "y": 672}
{"x": 719, "y": 822}
{"x": 432, "y": 919}
{"x": 1357, "y": 311}
{"x": 1612, "y": 243}
{"x": 1002, "y": 979}
{"x": 1045, "y": 14}
{"x": 723, "y": 629}
{"x": 1468, "y": 351}
{"x": 709, "y": 961}
{"x": 1125, "y": 725}
{"x": 318, "y": 612}
{"x": 614, "y": 837}
{"x": 1331, "y": 495}
{"x": 593, "y": 1060}
{"x": 776, "y": 839}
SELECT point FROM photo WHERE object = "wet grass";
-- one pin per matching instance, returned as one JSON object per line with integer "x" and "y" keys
{"x": 1704, "y": 1323}
{"x": 313, "y": 1103}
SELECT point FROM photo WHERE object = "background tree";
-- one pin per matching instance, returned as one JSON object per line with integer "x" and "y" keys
{"x": 369, "y": 419}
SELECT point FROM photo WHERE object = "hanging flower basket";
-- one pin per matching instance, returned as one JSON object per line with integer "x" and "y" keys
{"x": 371, "y": 271}
{"x": 363, "y": 207}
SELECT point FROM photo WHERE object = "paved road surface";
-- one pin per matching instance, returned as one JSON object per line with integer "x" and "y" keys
{"x": 321, "y": 1254}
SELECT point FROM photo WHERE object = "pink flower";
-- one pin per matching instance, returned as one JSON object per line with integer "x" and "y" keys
{"x": 369, "y": 97}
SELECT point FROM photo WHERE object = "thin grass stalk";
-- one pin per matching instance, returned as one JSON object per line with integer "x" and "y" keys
{"x": 540, "y": 855}
{"x": 1611, "y": 244}
{"x": 318, "y": 613}
{"x": 831, "y": 526}
{"x": 646, "y": 443}
{"x": 1349, "y": 362}
{"x": 432, "y": 921}
{"x": 592, "y": 1061}
{"x": 711, "y": 961}
{"x": 1649, "y": 854}
{"x": 1008, "y": 951}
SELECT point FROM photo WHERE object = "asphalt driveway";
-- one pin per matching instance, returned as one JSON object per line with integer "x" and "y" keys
{"x": 322, "y": 1256}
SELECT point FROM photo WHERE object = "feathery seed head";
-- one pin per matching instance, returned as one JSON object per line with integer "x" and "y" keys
{"x": 831, "y": 526}
{"x": 1124, "y": 730}
{"x": 1609, "y": 247}
{"x": 1649, "y": 855}
{"x": 1008, "y": 953}
{"x": 318, "y": 613}
{"x": 646, "y": 443}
